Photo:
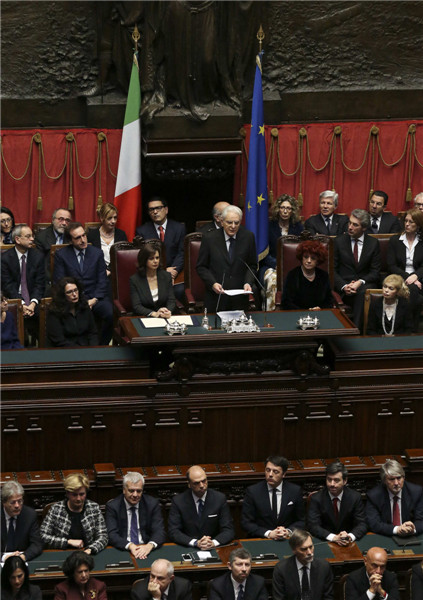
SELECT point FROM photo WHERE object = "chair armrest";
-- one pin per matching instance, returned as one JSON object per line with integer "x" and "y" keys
{"x": 278, "y": 300}
{"x": 119, "y": 308}
{"x": 190, "y": 300}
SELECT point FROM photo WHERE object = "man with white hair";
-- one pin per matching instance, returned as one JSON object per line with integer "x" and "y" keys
{"x": 418, "y": 201}
{"x": 226, "y": 261}
{"x": 20, "y": 533}
{"x": 327, "y": 222}
{"x": 395, "y": 507}
{"x": 134, "y": 520}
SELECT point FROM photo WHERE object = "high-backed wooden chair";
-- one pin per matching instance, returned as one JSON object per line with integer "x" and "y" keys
{"x": 42, "y": 335}
{"x": 6, "y": 247}
{"x": 383, "y": 239}
{"x": 194, "y": 285}
{"x": 341, "y": 588}
{"x": 368, "y": 297}
{"x": 199, "y": 224}
{"x": 15, "y": 308}
{"x": 36, "y": 227}
{"x": 92, "y": 225}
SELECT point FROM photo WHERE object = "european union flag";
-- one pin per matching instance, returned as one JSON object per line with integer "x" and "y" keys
{"x": 257, "y": 206}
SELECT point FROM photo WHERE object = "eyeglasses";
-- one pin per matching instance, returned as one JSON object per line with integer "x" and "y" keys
{"x": 65, "y": 219}
{"x": 6, "y": 221}
{"x": 155, "y": 209}
{"x": 417, "y": 205}
{"x": 71, "y": 292}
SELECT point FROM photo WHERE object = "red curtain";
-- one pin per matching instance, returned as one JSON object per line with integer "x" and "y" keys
{"x": 352, "y": 158}
{"x": 44, "y": 170}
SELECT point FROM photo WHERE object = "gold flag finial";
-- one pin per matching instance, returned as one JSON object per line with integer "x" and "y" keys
{"x": 260, "y": 37}
{"x": 136, "y": 36}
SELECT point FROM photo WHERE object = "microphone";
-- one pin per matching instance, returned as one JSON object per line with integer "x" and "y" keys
{"x": 218, "y": 301}
{"x": 264, "y": 304}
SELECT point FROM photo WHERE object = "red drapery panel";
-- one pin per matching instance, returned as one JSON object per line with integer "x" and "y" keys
{"x": 351, "y": 158}
{"x": 47, "y": 169}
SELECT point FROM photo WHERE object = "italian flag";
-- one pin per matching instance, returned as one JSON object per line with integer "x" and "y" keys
{"x": 128, "y": 183}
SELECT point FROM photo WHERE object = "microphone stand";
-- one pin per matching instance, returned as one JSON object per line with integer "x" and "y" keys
{"x": 264, "y": 303}
{"x": 218, "y": 302}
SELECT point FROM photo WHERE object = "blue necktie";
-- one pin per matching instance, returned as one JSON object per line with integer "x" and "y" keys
{"x": 134, "y": 526}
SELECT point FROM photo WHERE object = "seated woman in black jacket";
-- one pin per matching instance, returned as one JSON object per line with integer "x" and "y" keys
{"x": 15, "y": 581}
{"x": 70, "y": 321}
{"x": 307, "y": 286}
{"x": 152, "y": 288}
{"x": 390, "y": 314}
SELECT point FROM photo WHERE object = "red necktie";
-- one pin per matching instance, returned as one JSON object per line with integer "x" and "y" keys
{"x": 161, "y": 230}
{"x": 355, "y": 251}
{"x": 396, "y": 521}
{"x": 335, "y": 507}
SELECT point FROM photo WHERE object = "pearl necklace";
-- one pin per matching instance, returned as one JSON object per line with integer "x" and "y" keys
{"x": 108, "y": 236}
{"x": 309, "y": 277}
{"x": 393, "y": 313}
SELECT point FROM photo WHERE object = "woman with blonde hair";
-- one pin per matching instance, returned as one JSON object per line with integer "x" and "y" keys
{"x": 75, "y": 522}
{"x": 107, "y": 234}
{"x": 390, "y": 313}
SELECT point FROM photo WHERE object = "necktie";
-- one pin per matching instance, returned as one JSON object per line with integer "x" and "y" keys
{"x": 11, "y": 540}
{"x": 240, "y": 592}
{"x": 24, "y": 285}
{"x": 275, "y": 505}
{"x": 231, "y": 248}
{"x": 59, "y": 239}
{"x": 134, "y": 526}
{"x": 305, "y": 585}
{"x": 327, "y": 221}
{"x": 396, "y": 521}
{"x": 355, "y": 251}
{"x": 374, "y": 225}
{"x": 161, "y": 232}
{"x": 335, "y": 507}
{"x": 200, "y": 508}
{"x": 81, "y": 260}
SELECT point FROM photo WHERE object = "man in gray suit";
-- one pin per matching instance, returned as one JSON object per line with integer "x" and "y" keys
{"x": 327, "y": 222}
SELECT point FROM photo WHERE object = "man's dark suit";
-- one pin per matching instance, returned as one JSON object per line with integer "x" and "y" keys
{"x": 11, "y": 274}
{"x": 316, "y": 224}
{"x": 221, "y": 588}
{"x": 321, "y": 519}
{"x": 389, "y": 223}
{"x": 215, "y": 266}
{"x": 27, "y": 533}
{"x": 358, "y": 584}
{"x": 207, "y": 228}
{"x": 179, "y": 589}
{"x": 173, "y": 241}
{"x": 141, "y": 298}
{"x": 149, "y": 517}
{"x": 257, "y": 517}
{"x": 378, "y": 508}
{"x": 184, "y": 523}
{"x": 287, "y": 586}
{"x": 94, "y": 280}
{"x": 44, "y": 239}
{"x": 347, "y": 270}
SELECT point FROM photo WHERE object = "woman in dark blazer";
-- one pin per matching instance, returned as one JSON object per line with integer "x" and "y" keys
{"x": 70, "y": 321}
{"x": 15, "y": 581}
{"x": 80, "y": 585}
{"x": 405, "y": 258}
{"x": 151, "y": 288}
{"x": 390, "y": 314}
{"x": 107, "y": 234}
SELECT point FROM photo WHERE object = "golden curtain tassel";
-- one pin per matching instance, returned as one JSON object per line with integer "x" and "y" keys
{"x": 241, "y": 199}
{"x": 39, "y": 203}
{"x": 242, "y": 132}
{"x": 370, "y": 194}
{"x": 99, "y": 201}
{"x": 271, "y": 196}
{"x": 408, "y": 196}
{"x": 70, "y": 203}
{"x": 300, "y": 199}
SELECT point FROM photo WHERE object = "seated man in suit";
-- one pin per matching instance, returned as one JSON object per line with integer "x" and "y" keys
{"x": 356, "y": 263}
{"x": 200, "y": 517}
{"x": 418, "y": 201}
{"x": 327, "y": 222}
{"x": 53, "y": 234}
{"x": 23, "y": 276}
{"x": 381, "y": 222}
{"x": 301, "y": 575}
{"x": 272, "y": 508}
{"x": 395, "y": 507}
{"x": 227, "y": 587}
{"x": 218, "y": 208}
{"x": 161, "y": 584}
{"x": 86, "y": 263}
{"x": 168, "y": 231}
{"x": 372, "y": 580}
{"x": 226, "y": 260}
{"x": 336, "y": 513}
{"x": 134, "y": 520}
{"x": 20, "y": 533}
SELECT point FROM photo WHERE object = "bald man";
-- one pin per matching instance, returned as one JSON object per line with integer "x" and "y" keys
{"x": 200, "y": 517}
{"x": 372, "y": 580}
{"x": 218, "y": 208}
{"x": 161, "y": 584}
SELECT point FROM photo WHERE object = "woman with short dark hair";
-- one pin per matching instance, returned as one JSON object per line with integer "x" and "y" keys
{"x": 7, "y": 222}
{"x": 70, "y": 321}
{"x": 80, "y": 584}
{"x": 15, "y": 581}
{"x": 308, "y": 287}
{"x": 151, "y": 287}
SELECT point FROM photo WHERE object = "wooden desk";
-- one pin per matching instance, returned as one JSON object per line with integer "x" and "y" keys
{"x": 282, "y": 346}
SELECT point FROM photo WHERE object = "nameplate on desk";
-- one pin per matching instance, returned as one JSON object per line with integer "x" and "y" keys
{"x": 405, "y": 542}
{"x": 122, "y": 564}
{"x": 153, "y": 322}
{"x": 204, "y": 557}
{"x": 50, "y": 568}
{"x": 265, "y": 556}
